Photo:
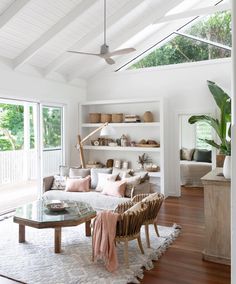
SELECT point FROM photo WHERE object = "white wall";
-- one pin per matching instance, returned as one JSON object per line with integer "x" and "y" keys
{"x": 184, "y": 87}
{"x": 21, "y": 86}
{"x": 187, "y": 132}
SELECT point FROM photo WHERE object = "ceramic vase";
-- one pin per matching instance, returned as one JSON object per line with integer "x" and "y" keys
{"x": 227, "y": 167}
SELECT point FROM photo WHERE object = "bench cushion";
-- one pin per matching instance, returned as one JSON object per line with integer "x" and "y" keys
{"x": 97, "y": 200}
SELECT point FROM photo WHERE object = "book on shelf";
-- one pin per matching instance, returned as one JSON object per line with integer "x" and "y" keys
{"x": 132, "y": 118}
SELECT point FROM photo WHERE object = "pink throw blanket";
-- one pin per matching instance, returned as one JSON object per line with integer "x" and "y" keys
{"x": 103, "y": 239}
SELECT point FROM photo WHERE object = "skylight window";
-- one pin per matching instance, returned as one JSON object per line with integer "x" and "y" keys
{"x": 208, "y": 38}
{"x": 216, "y": 28}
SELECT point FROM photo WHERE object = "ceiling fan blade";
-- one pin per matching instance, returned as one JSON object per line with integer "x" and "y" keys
{"x": 122, "y": 51}
{"x": 109, "y": 60}
{"x": 84, "y": 53}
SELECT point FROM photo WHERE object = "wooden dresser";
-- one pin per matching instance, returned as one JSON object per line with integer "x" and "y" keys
{"x": 217, "y": 217}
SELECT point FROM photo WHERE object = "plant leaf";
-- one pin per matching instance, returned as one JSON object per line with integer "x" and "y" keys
{"x": 211, "y": 121}
{"x": 222, "y": 99}
{"x": 212, "y": 143}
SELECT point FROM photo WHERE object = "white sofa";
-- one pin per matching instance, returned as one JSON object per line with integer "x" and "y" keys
{"x": 96, "y": 199}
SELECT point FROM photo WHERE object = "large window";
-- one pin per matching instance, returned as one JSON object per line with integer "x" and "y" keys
{"x": 208, "y": 38}
{"x": 203, "y": 131}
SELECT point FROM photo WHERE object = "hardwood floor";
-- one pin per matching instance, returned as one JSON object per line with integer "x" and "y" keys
{"x": 182, "y": 263}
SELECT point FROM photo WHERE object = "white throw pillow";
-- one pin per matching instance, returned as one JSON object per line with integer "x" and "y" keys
{"x": 131, "y": 180}
{"x": 103, "y": 178}
{"x": 77, "y": 172}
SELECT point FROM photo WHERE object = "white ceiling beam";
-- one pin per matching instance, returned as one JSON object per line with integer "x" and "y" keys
{"x": 193, "y": 13}
{"x": 52, "y": 32}
{"x": 155, "y": 12}
{"x": 12, "y": 11}
{"x": 93, "y": 35}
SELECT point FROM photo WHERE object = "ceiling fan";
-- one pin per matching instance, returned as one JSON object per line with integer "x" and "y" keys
{"x": 104, "y": 49}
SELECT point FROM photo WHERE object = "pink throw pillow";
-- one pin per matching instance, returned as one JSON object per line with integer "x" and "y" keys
{"x": 114, "y": 188}
{"x": 75, "y": 185}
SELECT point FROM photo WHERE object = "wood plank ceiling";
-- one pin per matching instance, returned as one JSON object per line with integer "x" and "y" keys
{"x": 38, "y": 33}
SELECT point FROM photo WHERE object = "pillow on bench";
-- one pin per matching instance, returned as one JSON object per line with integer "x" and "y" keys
{"x": 94, "y": 175}
{"x": 202, "y": 156}
{"x": 78, "y": 185}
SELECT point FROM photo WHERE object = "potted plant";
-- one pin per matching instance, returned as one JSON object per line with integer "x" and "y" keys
{"x": 222, "y": 126}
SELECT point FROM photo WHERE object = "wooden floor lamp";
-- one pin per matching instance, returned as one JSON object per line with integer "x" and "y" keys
{"x": 105, "y": 131}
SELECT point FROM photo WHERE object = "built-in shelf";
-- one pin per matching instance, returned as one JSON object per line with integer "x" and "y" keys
{"x": 124, "y": 124}
{"x": 119, "y": 148}
{"x": 134, "y": 131}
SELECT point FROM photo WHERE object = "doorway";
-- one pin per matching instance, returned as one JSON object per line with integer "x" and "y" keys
{"x": 31, "y": 147}
{"x": 195, "y": 154}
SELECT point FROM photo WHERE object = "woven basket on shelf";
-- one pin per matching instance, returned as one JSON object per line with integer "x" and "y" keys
{"x": 105, "y": 117}
{"x": 95, "y": 117}
{"x": 117, "y": 117}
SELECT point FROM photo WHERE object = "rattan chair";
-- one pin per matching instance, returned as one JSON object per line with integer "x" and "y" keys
{"x": 153, "y": 207}
{"x": 128, "y": 226}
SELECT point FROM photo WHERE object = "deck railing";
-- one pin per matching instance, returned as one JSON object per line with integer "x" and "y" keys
{"x": 20, "y": 165}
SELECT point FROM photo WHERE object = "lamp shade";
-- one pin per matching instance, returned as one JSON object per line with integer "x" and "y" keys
{"x": 107, "y": 131}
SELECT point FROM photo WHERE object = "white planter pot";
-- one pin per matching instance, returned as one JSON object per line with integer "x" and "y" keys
{"x": 227, "y": 167}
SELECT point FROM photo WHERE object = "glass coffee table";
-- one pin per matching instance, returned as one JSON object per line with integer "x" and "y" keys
{"x": 37, "y": 215}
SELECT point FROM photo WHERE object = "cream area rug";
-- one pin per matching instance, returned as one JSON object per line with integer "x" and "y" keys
{"x": 35, "y": 261}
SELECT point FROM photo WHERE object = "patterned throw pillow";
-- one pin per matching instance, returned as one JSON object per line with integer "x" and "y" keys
{"x": 59, "y": 183}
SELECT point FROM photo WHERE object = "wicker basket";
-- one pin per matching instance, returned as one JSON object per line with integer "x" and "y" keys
{"x": 105, "y": 117}
{"x": 95, "y": 117}
{"x": 117, "y": 117}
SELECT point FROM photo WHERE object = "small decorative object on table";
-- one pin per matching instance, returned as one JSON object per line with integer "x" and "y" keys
{"x": 56, "y": 205}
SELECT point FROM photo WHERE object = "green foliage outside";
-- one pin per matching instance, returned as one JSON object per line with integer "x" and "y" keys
{"x": 180, "y": 49}
{"x": 12, "y": 127}
{"x": 52, "y": 118}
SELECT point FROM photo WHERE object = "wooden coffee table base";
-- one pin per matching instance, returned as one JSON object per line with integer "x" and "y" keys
{"x": 57, "y": 235}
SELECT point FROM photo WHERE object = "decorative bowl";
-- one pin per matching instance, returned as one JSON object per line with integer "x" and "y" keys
{"x": 56, "y": 205}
